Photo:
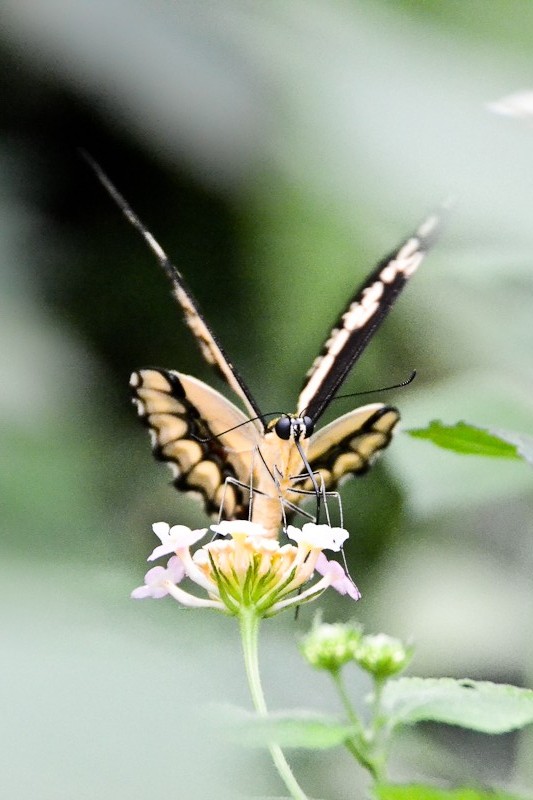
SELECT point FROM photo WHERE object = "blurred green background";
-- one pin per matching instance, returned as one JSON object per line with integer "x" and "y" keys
{"x": 276, "y": 150}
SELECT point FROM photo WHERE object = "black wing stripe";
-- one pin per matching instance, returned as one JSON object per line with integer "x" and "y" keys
{"x": 365, "y": 312}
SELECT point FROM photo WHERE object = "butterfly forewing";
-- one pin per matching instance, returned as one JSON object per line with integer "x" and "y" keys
{"x": 190, "y": 429}
{"x": 361, "y": 318}
{"x": 211, "y": 348}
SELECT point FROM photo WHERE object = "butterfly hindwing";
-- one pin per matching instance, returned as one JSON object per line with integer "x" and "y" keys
{"x": 349, "y": 445}
{"x": 189, "y": 424}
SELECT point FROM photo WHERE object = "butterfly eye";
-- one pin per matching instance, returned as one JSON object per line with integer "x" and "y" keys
{"x": 309, "y": 426}
{"x": 283, "y": 427}
{"x": 296, "y": 427}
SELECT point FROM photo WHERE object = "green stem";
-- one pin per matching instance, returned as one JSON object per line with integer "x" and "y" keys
{"x": 249, "y": 624}
{"x": 357, "y": 745}
{"x": 378, "y": 759}
{"x": 350, "y": 711}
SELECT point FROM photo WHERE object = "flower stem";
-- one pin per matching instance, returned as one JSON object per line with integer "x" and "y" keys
{"x": 377, "y": 735}
{"x": 350, "y": 711}
{"x": 249, "y": 625}
{"x": 358, "y": 745}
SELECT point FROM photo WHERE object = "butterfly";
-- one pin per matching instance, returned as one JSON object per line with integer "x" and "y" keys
{"x": 243, "y": 465}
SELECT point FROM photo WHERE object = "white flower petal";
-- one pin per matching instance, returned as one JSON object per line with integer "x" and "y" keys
{"x": 321, "y": 537}
{"x": 339, "y": 536}
{"x": 238, "y": 527}
{"x": 185, "y": 537}
{"x": 172, "y": 539}
{"x": 161, "y": 529}
{"x": 153, "y": 584}
{"x": 161, "y": 550}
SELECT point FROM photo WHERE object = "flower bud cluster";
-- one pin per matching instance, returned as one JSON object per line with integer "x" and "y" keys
{"x": 329, "y": 647}
{"x": 383, "y": 656}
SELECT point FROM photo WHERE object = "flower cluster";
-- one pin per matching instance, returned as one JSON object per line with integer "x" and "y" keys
{"x": 245, "y": 568}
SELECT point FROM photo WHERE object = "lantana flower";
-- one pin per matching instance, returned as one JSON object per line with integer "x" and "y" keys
{"x": 245, "y": 568}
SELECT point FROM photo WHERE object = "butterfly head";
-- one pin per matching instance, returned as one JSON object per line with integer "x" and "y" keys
{"x": 292, "y": 427}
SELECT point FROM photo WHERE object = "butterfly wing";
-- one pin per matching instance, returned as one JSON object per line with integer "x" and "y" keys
{"x": 211, "y": 348}
{"x": 189, "y": 425}
{"x": 349, "y": 445}
{"x": 360, "y": 320}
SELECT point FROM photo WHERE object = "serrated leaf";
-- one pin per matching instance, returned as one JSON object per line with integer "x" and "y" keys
{"x": 419, "y": 792}
{"x": 299, "y": 729}
{"x": 467, "y": 439}
{"x": 478, "y": 705}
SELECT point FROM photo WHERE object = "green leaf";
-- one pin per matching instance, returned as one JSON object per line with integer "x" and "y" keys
{"x": 467, "y": 439}
{"x": 420, "y": 792}
{"x": 478, "y": 705}
{"x": 299, "y": 729}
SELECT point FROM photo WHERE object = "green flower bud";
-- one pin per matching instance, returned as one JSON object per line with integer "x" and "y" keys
{"x": 330, "y": 646}
{"x": 382, "y": 655}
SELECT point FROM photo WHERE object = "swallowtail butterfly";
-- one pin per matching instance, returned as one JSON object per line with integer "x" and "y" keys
{"x": 243, "y": 466}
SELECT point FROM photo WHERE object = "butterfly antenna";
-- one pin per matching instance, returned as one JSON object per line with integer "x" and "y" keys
{"x": 240, "y": 425}
{"x": 400, "y": 385}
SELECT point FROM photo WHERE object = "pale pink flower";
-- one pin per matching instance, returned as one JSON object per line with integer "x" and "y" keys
{"x": 158, "y": 579}
{"x": 339, "y": 580}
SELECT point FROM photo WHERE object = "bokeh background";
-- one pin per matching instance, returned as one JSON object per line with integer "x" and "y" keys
{"x": 276, "y": 150}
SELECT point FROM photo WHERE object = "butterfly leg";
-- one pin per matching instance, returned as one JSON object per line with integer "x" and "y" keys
{"x": 322, "y": 495}
{"x": 287, "y": 504}
{"x": 337, "y": 496}
{"x": 325, "y": 504}
{"x": 230, "y": 481}
{"x": 325, "y": 494}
